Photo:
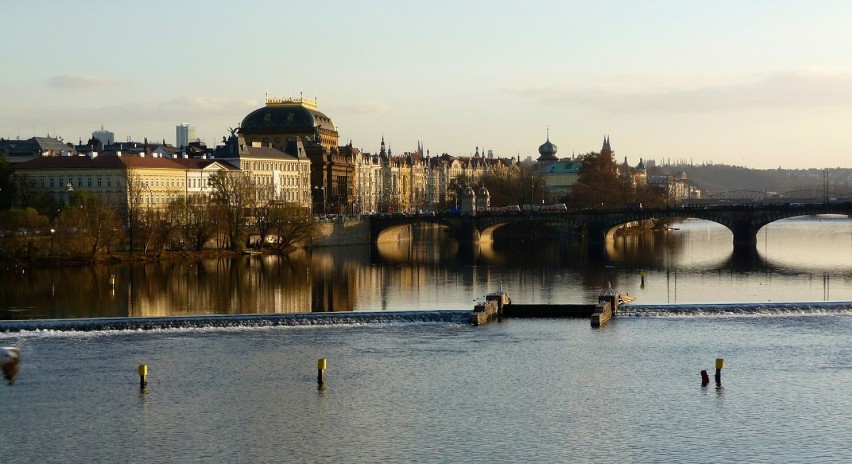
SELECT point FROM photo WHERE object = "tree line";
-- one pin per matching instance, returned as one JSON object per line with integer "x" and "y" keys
{"x": 236, "y": 211}
{"x": 236, "y": 215}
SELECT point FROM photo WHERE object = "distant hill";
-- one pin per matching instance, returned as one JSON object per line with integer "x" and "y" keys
{"x": 719, "y": 178}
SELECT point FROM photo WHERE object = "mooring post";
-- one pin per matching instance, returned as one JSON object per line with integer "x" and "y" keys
{"x": 143, "y": 376}
{"x": 705, "y": 379}
{"x": 720, "y": 363}
{"x": 321, "y": 365}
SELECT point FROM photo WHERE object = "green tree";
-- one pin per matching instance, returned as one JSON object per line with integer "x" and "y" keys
{"x": 599, "y": 184}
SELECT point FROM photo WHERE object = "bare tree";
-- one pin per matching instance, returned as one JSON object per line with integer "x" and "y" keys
{"x": 262, "y": 213}
{"x": 95, "y": 225}
{"x": 235, "y": 194}
{"x": 290, "y": 224}
{"x": 133, "y": 210}
{"x": 198, "y": 224}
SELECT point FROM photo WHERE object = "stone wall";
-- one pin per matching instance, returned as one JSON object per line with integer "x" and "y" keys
{"x": 348, "y": 232}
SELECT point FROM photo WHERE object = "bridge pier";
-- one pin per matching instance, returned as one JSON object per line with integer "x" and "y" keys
{"x": 745, "y": 233}
{"x": 596, "y": 233}
{"x": 467, "y": 231}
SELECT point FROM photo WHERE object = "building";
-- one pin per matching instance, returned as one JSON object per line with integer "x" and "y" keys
{"x": 368, "y": 182}
{"x": 105, "y": 137}
{"x": 18, "y": 151}
{"x": 184, "y": 134}
{"x": 279, "y": 175}
{"x": 113, "y": 178}
{"x": 547, "y": 152}
{"x": 285, "y": 122}
{"x": 561, "y": 176}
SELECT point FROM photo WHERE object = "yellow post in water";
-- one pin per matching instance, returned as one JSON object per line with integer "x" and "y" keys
{"x": 720, "y": 363}
{"x": 143, "y": 374}
{"x": 321, "y": 365}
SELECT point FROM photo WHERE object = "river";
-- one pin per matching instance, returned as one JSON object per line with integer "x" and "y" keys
{"x": 429, "y": 389}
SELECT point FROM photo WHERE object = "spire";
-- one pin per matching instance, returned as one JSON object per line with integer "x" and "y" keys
{"x": 606, "y": 149}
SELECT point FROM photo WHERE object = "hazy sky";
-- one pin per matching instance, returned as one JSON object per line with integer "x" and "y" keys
{"x": 752, "y": 83}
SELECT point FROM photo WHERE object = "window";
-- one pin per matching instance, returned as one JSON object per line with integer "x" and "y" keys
{"x": 99, "y": 182}
{"x": 89, "y": 182}
{"x": 51, "y": 182}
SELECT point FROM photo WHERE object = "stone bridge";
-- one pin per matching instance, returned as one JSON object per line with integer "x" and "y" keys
{"x": 744, "y": 221}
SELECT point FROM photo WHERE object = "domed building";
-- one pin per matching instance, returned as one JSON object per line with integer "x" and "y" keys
{"x": 547, "y": 151}
{"x": 283, "y": 120}
{"x": 286, "y": 123}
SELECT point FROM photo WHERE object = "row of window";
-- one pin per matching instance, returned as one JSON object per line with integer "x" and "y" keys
{"x": 108, "y": 181}
{"x": 60, "y": 182}
{"x": 290, "y": 181}
{"x": 270, "y": 166}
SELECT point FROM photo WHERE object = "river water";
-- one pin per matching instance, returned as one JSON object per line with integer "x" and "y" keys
{"x": 416, "y": 387}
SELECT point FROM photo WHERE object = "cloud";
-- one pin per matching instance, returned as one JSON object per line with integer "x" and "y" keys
{"x": 362, "y": 107}
{"x": 75, "y": 82}
{"x": 808, "y": 87}
{"x": 194, "y": 106}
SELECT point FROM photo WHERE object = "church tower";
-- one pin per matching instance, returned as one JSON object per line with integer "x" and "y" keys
{"x": 606, "y": 150}
{"x": 547, "y": 151}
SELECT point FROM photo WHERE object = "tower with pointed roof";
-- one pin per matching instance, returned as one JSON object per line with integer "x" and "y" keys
{"x": 547, "y": 151}
{"x": 606, "y": 149}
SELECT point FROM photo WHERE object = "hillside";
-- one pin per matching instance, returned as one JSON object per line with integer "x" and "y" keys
{"x": 722, "y": 178}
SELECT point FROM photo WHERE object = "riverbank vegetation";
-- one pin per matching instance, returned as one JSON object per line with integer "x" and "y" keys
{"x": 230, "y": 220}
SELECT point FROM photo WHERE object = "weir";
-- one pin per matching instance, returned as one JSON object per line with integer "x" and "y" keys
{"x": 499, "y": 305}
{"x": 496, "y": 306}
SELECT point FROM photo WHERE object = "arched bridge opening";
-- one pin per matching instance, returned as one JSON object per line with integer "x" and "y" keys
{"x": 744, "y": 221}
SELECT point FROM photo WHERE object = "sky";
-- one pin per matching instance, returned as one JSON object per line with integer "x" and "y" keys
{"x": 754, "y": 83}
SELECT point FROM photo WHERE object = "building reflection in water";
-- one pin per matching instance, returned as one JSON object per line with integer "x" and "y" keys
{"x": 429, "y": 272}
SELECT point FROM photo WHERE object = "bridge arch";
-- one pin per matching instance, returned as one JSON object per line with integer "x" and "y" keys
{"x": 486, "y": 235}
{"x": 394, "y": 233}
{"x": 744, "y": 221}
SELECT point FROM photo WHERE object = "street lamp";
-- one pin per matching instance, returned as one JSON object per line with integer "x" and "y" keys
{"x": 52, "y": 230}
{"x": 321, "y": 191}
